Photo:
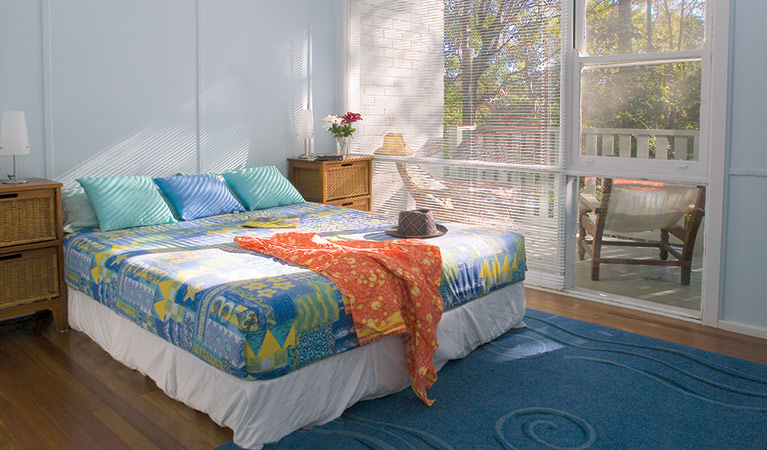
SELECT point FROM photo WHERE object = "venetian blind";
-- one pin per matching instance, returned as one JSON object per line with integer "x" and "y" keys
{"x": 460, "y": 102}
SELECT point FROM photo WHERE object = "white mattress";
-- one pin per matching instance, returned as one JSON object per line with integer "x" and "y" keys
{"x": 264, "y": 411}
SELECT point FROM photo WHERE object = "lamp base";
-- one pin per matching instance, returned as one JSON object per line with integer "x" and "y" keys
{"x": 307, "y": 156}
{"x": 14, "y": 179}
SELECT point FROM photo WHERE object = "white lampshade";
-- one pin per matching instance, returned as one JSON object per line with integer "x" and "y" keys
{"x": 13, "y": 133}
{"x": 305, "y": 127}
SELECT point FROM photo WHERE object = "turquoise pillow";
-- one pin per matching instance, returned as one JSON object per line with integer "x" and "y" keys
{"x": 125, "y": 202}
{"x": 262, "y": 187}
{"x": 196, "y": 196}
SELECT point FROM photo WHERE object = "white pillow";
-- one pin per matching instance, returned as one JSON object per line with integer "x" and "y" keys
{"x": 77, "y": 211}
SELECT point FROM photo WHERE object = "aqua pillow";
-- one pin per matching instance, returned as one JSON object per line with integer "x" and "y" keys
{"x": 196, "y": 196}
{"x": 262, "y": 187}
{"x": 125, "y": 202}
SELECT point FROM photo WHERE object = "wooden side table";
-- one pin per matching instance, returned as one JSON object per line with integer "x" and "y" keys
{"x": 31, "y": 250}
{"x": 346, "y": 183}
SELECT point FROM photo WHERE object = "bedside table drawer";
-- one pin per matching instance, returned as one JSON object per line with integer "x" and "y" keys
{"x": 27, "y": 216}
{"x": 346, "y": 179}
{"x": 28, "y": 276}
{"x": 360, "y": 203}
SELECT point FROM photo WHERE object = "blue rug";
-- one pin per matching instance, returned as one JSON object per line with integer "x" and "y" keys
{"x": 565, "y": 384}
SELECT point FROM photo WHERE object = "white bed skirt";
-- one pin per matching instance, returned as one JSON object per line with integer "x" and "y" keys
{"x": 264, "y": 411}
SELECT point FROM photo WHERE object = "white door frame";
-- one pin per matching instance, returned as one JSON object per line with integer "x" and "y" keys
{"x": 718, "y": 12}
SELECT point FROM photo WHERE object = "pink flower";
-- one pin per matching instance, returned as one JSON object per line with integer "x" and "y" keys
{"x": 351, "y": 117}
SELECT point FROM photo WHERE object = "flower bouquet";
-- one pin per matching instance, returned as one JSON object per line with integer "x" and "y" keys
{"x": 342, "y": 129}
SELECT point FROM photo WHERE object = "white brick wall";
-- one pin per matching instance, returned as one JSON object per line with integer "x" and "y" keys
{"x": 397, "y": 46}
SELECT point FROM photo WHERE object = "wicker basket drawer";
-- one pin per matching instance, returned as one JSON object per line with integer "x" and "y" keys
{"x": 360, "y": 203}
{"x": 28, "y": 276}
{"x": 308, "y": 181}
{"x": 346, "y": 179}
{"x": 27, "y": 216}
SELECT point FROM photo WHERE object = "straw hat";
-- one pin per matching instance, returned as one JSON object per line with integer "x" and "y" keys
{"x": 393, "y": 145}
{"x": 418, "y": 223}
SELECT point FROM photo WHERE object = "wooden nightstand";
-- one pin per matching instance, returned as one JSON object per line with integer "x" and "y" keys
{"x": 344, "y": 183}
{"x": 31, "y": 250}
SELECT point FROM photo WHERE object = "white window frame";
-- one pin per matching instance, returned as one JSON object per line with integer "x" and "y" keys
{"x": 660, "y": 170}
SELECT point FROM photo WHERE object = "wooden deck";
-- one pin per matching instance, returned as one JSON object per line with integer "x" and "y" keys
{"x": 656, "y": 284}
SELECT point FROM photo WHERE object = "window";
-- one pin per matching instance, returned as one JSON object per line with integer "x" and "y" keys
{"x": 460, "y": 102}
{"x": 482, "y": 111}
{"x": 641, "y": 65}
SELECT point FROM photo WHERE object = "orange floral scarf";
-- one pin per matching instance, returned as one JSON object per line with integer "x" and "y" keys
{"x": 389, "y": 287}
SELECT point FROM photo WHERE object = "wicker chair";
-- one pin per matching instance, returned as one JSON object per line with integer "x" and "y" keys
{"x": 591, "y": 231}
{"x": 454, "y": 199}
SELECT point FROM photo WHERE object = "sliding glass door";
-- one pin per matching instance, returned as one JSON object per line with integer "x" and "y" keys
{"x": 640, "y": 68}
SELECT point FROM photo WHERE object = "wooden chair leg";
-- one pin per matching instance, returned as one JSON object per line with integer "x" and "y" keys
{"x": 696, "y": 217}
{"x": 599, "y": 227}
{"x": 686, "y": 272}
{"x": 663, "y": 244}
{"x": 596, "y": 250}
{"x": 581, "y": 238}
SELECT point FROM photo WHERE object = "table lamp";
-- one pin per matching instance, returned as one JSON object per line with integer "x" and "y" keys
{"x": 305, "y": 131}
{"x": 13, "y": 140}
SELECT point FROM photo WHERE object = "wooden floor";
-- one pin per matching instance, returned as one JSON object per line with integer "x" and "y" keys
{"x": 60, "y": 390}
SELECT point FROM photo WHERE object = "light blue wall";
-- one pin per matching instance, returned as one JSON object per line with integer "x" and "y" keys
{"x": 123, "y": 80}
{"x": 123, "y": 89}
{"x": 745, "y": 284}
{"x": 147, "y": 87}
{"x": 21, "y": 78}
{"x": 254, "y": 77}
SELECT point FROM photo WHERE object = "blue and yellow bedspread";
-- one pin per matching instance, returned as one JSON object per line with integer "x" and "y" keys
{"x": 251, "y": 315}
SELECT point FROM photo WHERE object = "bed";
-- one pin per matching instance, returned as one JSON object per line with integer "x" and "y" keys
{"x": 261, "y": 346}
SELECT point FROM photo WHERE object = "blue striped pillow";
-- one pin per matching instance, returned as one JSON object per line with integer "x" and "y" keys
{"x": 196, "y": 196}
{"x": 125, "y": 202}
{"x": 262, "y": 187}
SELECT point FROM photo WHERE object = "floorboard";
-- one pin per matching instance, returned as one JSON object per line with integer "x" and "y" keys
{"x": 61, "y": 390}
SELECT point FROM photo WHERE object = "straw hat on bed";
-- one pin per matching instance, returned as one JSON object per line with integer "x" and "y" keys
{"x": 393, "y": 145}
{"x": 418, "y": 223}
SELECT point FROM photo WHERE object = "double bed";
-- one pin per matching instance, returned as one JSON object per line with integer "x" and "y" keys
{"x": 262, "y": 346}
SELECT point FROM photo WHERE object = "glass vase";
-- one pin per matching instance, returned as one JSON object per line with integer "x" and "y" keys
{"x": 342, "y": 146}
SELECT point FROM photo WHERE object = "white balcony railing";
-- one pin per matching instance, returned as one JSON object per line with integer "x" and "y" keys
{"x": 679, "y": 145}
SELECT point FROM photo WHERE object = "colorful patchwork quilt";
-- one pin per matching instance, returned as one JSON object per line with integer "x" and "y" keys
{"x": 251, "y": 315}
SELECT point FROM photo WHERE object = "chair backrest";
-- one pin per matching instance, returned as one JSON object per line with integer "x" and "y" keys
{"x": 428, "y": 192}
{"x": 415, "y": 177}
{"x": 635, "y": 206}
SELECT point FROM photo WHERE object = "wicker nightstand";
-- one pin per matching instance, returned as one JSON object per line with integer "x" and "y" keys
{"x": 344, "y": 183}
{"x": 31, "y": 250}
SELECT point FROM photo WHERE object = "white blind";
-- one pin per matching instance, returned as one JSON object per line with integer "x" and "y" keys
{"x": 472, "y": 86}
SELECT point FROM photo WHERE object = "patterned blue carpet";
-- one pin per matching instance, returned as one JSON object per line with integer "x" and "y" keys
{"x": 565, "y": 384}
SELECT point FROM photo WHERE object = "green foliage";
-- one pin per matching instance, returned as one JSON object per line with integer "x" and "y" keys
{"x": 502, "y": 62}
{"x": 342, "y": 130}
{"x": 673, "y": 25}
{"x": 663, "y": 96}
{"x": 499, "y": 58}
